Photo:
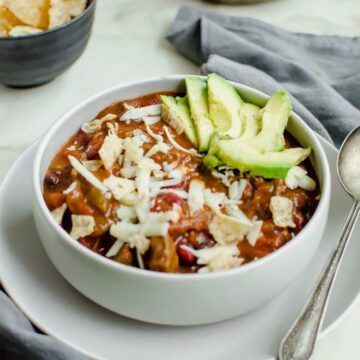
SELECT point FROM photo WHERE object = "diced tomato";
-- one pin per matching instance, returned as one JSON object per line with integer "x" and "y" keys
{"x": 153, "y": 101}
{"x": 173, "y": 199}
{"x": 181, "y": 185}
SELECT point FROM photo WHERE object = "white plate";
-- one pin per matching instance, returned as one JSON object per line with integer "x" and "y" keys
{"x": 59, "y": 310}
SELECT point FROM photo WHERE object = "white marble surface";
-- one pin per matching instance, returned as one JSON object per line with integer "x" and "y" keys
{"x": 128, "y": 44}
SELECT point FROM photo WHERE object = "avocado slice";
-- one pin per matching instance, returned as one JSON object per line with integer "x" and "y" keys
{"x": 247, "y": 159}
{"x": 250, "y": 118}
{"x": 274, "y": 118}
{"x": 196, "y": 89}
{"x": 224, "y": 106}
{"x": 176, "y": 112}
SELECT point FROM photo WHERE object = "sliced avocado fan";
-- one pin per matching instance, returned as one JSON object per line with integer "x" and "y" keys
{"x": 217, "y": 121}
{"x": 176, "y": 112}
{"x": 247, "y": 159}
{"x": 196, "y": 89}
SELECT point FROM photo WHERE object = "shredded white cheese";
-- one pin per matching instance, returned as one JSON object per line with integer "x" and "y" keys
{"x": 222, "y": 177}
{"x": 214, "y": 200}
{"x": 142, "y": 181}
{"x": 81, "y": 169}
{"x": 178, "y": 146}
{"x": 151, "y": 120}
{"x": 130, "y": 199}
{"x": 218, "y": 258}
{"x": 235, "y": 212}
{"x": 159, "y": 147}
{"x": 297, "y": 177}
{"x": 128, "y": 172}
{"x": 59, "y": 212}
{"x": 282, "y": 210}
{"x": 139, "y": 113}
{"x": 82, "y": 225}
{"x": 95, "y": 125}
{"x": 157, "y": 137}
{"x": 169, "y": 167}
{"x": 70, "y": 189}
{"x": 236, "y": 189}
{"x": 196, "y": 198}
{"x": 254, "y": 233}
{"x": 142, "y": 208}
{"x": 180, "y": 193}
{"x": 126, "y": 213}
{"x": 92, "y": 165}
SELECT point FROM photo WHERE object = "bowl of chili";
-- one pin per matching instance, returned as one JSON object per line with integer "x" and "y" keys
{"x": 135, "y": 218}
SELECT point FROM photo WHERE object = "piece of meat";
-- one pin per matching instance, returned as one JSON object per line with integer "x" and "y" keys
{"x": 199, "y": 222}
{"x": 124, "y": 256}
{"x": 163, "y": 255}
{"x": 54, "y": 200}
{"x": 78, "y": 203}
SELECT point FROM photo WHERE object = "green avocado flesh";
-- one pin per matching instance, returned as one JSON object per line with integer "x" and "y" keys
{"x": 274, "y": 119}
{"x": 224, "y": 106}
{"x": 250, "y": 118}
{"x": 196, "y": 89}
{"x": 176, "y": 112}
{"x": 269, "y": 165}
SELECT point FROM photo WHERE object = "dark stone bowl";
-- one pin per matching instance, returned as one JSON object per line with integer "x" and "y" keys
{"x": 34, "y": 60}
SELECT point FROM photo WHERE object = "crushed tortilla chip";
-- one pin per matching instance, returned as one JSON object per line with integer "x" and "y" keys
{"x": 29, "y": 12}
{"x": 7, "y": 21}
{"x": 59, "y": 212}
{"x": 33, "y": 16}
{"x": 75, "y": 7}
{"x": 82, "y": 225}
{"x": 23, "y": 30}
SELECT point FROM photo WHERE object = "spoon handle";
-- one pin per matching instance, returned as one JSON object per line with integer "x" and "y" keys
{"x": 298, "y": 343}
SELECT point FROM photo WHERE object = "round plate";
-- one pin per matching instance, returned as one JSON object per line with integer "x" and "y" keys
{"x": 59, "y": 310}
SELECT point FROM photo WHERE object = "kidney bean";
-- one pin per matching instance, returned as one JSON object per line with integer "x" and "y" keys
{"x": 52, "y": 177}
{"x": 92, "y": 151}
{"x": 186, "y": 257}
{"x": 81, "y": 139}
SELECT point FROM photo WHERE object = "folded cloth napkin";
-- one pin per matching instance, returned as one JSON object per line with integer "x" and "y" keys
{"x": 20, "y": 341}
{"x": 321, "y": 73}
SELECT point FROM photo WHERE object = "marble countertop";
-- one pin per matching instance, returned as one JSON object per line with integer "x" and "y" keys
{"x": 128, "y": 31}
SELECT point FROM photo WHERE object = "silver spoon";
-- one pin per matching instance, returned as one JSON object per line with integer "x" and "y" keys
{"x": 299, "y": 342}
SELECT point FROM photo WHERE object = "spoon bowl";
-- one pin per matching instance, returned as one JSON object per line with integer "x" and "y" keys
{"x": 348, "y": 164}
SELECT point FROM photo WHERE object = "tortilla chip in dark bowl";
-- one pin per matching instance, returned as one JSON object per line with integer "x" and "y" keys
{"x": 36, "y": 59}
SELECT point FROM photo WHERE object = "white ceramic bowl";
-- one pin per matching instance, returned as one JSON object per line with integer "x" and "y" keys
{"x": 176, "y": 299}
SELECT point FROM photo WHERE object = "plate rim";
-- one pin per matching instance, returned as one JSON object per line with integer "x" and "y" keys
{"x": 24, "y": 310}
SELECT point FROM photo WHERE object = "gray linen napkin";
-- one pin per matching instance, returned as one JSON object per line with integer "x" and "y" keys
{"x": 20, "y": 341}
{"x": 322, "y": 73}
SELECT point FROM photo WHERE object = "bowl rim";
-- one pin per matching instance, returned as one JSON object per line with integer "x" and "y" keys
{"x": 91, "y": 5}
{"x": 322, "y": 207}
